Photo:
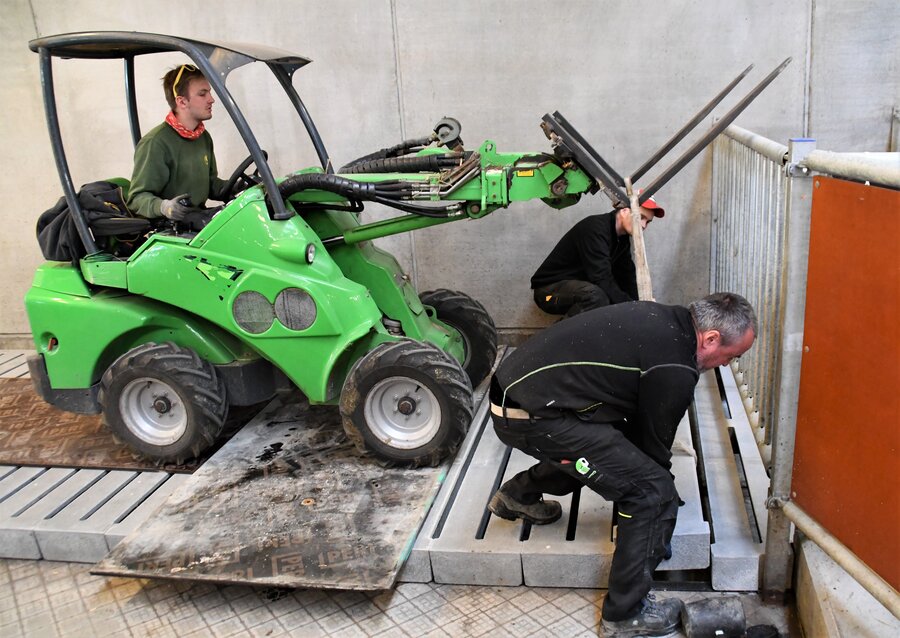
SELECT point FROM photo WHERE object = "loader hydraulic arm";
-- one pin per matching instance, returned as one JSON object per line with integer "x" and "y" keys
{"x": 473, "y": 185}
{"x": 436, "y": 181}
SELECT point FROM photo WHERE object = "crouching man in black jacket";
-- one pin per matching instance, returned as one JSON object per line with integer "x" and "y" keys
{"x": 597, "y": 399}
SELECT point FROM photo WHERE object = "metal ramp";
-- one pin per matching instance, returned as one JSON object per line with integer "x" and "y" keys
{"x": 78, "y": 515}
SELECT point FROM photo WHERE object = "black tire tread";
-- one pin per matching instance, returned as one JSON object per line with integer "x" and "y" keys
{"x": 198, "y": 379}
{"x": 467, "y": 315}
{"x": 425, "y": 358}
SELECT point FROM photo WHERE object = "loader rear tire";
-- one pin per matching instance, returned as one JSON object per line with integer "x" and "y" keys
{"x": 407, "y": 403}
{"x": 164, "y": 401}
{"x": 472, "y": 321}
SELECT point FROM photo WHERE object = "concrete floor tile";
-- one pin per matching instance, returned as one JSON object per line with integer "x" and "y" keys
{"x": 8, "y": 612}
{"x": 77, "y": 604}
{"x": 547, "y": 614}
{"x": 527, "y": 600}
{"x": 309, "y": 630}
{"x": 349, "y": 598}
{"x": 217, "y": 614}
{"x": 249, "y": 601}
{"x": 322, "y": 608}
{"x": 294, "y": 619}
{"x": 11, "y": 631}
{"x": 33, "y": 608}
{"x": 418, "y": 626}
{"x": 428, "y": 601}
{"x": 375, "y": 625}
{"x": 502, "y": 614}
{"x": 402, "y": 612}
{"x": 256, "y": 616}
{"x": 352, "y": 631}
{"x": 412, "y": 590}
{"x": 524, "y": 625}
{"x": 589, "y": 616}
{"x": 39, "y": 624}
{"x": 566, "y": 626}
{"x": 445, "y": 614}
{"x": 226, "y": 629}
{"x": 271, "y": 629}
{"x": 477, "y": 624}
{"x": 31, "y": 583}
{"x": 335, "y": 621}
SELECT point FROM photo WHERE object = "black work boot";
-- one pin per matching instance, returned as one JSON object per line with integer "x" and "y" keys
{"x": 540, "y": 513}
{"x": 656, "y": 618}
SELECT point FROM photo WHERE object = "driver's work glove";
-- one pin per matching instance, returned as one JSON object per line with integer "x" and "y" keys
{"x": 177, "y": 207}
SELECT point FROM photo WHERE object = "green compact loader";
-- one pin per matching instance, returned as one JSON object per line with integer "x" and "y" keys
{"x": 162, "y": 327}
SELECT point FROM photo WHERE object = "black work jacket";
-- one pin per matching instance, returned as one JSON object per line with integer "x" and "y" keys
{"x": 634, "y": 362}
{"x": 592, "y": 251}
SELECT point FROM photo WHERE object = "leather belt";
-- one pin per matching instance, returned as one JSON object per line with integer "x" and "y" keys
{"x": 512, "y": 413}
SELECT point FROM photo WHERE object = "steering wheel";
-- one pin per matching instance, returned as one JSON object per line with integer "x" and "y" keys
{"x": 240, "y": 179}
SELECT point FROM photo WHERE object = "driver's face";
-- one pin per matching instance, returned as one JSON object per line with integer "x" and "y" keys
{"x": 199, "y": 100}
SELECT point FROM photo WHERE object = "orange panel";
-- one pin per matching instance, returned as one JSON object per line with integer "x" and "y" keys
{"x": 846, "y": 470}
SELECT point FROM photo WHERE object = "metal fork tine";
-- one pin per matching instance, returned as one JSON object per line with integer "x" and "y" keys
{"x": 706, "y": 110}
{"x": 700, "y": 144}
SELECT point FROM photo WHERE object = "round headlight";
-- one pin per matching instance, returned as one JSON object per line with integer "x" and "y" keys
{"x": 310, "y": 252}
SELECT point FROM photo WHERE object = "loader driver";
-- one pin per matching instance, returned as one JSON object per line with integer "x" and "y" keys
{"x": 591, "y": 266}
{"x": 596, "y": 399}
{"x": 174, "y": 164}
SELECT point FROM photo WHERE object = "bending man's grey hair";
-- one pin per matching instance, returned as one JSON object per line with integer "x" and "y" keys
{"x": 727, "y": 312}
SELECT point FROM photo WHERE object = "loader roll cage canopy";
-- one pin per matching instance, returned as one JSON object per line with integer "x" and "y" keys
{"x": 215, "y": 59}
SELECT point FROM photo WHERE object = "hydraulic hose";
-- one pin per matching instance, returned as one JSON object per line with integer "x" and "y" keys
{"x": 404, "y": 147}
{"x": 409, "y": 164}
{"x": 388, "y": 193}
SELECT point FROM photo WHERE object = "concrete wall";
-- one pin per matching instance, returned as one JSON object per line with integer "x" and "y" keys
{"x": 628, "y": 75}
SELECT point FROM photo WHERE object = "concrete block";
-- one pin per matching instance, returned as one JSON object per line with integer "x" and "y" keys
{"x": 457, "y": 556}
{"x": 550, "y": 560}
{"x": 77, "y": 533}
{"x": 735, "y": 553}
{"x": 32, "y": 501}
{"x": 133, "y": 519}
{"x": 831, "y": 603}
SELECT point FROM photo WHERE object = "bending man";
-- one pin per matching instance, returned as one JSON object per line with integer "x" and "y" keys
{"x": 597, "y": 399}
{"x": 591, "y": 266}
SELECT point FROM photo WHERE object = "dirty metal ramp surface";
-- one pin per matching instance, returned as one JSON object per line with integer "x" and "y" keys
{"x": 287, "y": 502}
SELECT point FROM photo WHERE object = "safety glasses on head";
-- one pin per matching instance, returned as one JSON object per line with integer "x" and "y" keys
{"x": 190, "y": 68}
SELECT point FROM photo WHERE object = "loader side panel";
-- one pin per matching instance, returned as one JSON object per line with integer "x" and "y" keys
{"x": 80, "y": 335}
{"x": 250, "y": 276}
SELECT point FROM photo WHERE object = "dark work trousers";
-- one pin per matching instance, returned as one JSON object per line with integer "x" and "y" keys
{"x": 601, "y": 458}
{"x": 570, "y": 297}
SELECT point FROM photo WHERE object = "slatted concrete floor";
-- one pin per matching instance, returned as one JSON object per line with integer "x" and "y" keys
{"x": 76, "y": 515}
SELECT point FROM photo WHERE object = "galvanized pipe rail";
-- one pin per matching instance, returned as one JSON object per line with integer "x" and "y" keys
{"x": 762, "y": 200}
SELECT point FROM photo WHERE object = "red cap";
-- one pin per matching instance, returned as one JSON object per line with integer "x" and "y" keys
{"x": 658, "y": 211}
{"x": 650, "y": 204}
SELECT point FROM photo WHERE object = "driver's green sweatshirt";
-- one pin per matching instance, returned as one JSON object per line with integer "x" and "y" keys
{"x": 167, "y": 165}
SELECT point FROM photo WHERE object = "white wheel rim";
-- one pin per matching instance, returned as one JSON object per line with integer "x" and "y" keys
{"x": 153, "y": 411}
{"x": 402, "y": 413}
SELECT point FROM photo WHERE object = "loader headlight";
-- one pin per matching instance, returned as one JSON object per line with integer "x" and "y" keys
{"x": 295, "y": 309}
{"x": 253, "y": 312}
{"x": 310, "y": 252}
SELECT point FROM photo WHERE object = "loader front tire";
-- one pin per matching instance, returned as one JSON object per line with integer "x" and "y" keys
{"x": 163, "y": 401}
{"x": 463, "y": 313}
{"x": 407, "y": 403}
